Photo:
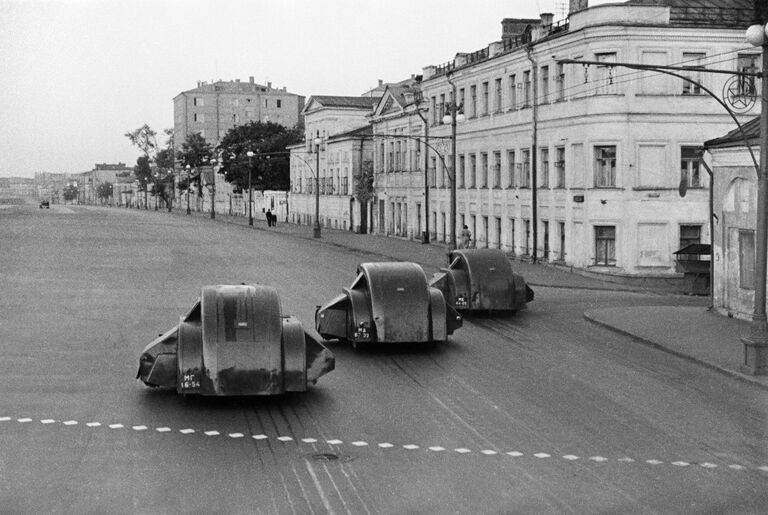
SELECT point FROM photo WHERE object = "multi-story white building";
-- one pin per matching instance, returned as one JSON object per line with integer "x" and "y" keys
{"x": 211, "y": 109}
{"x": 341, "y": 125}
{"x": 572, "y": 163}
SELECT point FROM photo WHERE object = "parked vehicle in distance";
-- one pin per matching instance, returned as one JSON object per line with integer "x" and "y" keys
{"x": 388, "y": 303}
{"x": 45, "y": 204}
{"x": 235, "y": 341}
{"x": 482, "y": 280}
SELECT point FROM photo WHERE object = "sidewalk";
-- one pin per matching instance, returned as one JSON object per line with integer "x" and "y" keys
{"x": 693, "y": 333}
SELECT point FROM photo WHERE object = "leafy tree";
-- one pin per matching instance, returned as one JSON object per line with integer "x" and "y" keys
{"x": 70, "y": 192}
{"x": 104, "y": 191}
{"x": 164, "y": 158}
{"x": 264, "y": 139}
{"x": 364, "y": 183}
{"x": 195, "y": 152}
{"x": 144, "y": 138}
{"x": 143, "y": 172}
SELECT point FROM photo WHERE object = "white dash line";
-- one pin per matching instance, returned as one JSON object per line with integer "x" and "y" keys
{"x": 162, "y": 429}
{"x": 139, "y": 428}
{"x": 236, "y": 435}
{"x": 259, "y": 437}
{"x": 70, "y": 423}
{"x": 285, "y": 438}
{"x": 93, "y": 424}
{"x": 360, "y": 444}
{"x": 211, "y": 433}
{"x": 186, "y": 431}
{"x": 386, "y": 445}
{"x": 47, "y": 421}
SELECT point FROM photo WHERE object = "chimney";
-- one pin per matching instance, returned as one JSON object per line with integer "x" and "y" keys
{"x": 380, "y": 82}
{"x": 546, "y": 20}
{"x": 269, "y": 85}
{"x": 250, "y": 79}
{"x": 577, "y": 5}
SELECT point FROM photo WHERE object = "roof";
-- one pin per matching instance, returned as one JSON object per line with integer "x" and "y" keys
{"x": 719, "y": 13}
{"x": 735, "y": 138}
{"x": 360, "y": 132}
{"x": 697, "y": 249}
{"x": 338, "y": 101}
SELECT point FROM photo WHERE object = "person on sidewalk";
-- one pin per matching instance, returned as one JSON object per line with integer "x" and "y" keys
{"x": 269, "y": 218}
{"x": 466, "y": 238}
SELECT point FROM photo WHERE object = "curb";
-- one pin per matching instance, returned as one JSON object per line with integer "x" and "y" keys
{"x": 688, "y": 357}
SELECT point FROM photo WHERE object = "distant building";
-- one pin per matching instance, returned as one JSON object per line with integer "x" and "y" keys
{"x": 341, "y": 124}
{"x": 212, "y": 109}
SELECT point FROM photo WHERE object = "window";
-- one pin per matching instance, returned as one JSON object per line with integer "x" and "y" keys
{"x": 198, "y": 101}
{"x": 484, "y": 170}
{"x": 266, "y": 102}
{"x": 433, "y": 172}
{"x": 460, "y": 182}
{"x": 511, "y": 168}
{"x": 545, "y": 225}
{"x": 485, "y": 98}
{"x": 747, "y": 63}
{"x": 561, "y": 227}
{"x": 560, "y": 82}
{"x": 461, "y": 97}
{"x": 545, "y": 168}
{"x": 605, "y": 167}
{"x": 526, "y": 88}
{"x": 512, "y": 235}
{"x": 235, "y": 118}
{"x": 199, "y": 117}
{"x": 512, "y": 92}
{"x": 498, "y": 107}
{"x": 472, "y": 170}
{"x": 525, "y": 176}
{"x": 605, "y": 84}
{"x": 559, "y": 167}
{"x": 689, "y": 167}
{"x": 527, "y": 237}
{"x": 746, "y": 259}
{"x": 433, "y": 110}
{"x": 472, "y": 101}
{"x": 544, "y": 84}
{"x": 279, "y": 104}
{"x": 689, "y": 235}
{"x": 605, "y": 245}
{"x": 693, "y": 59}
{"x": 441, "y": 108}
{"x": 497, "y": 169}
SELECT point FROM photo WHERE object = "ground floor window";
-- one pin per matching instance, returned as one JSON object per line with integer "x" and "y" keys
{"x": 605, "y": 245}
{"x": 747, "y": 258}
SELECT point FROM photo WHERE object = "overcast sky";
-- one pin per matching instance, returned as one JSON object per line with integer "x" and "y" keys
{"x": 76, "y": 75}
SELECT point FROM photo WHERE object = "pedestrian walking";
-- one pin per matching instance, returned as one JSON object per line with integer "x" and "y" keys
{"x": 269, "y": 218}
{"x": 466, "y": 238}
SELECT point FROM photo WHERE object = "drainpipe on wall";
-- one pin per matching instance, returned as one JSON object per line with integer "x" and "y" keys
{"x": 534, "y": 152}
{"x": 711, "y": 230}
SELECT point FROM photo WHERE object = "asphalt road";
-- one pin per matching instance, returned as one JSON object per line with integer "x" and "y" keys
{"x": 540, "y": 412}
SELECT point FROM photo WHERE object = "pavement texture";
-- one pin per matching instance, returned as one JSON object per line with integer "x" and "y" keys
{"x": 697, "y": 334}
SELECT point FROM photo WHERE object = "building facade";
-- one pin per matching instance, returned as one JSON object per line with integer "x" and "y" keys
{"x": 571, "y": 163}
{"x": 735, "y": 207}
{"x": 343, "y": 155}
{"x": 212, "y": 109}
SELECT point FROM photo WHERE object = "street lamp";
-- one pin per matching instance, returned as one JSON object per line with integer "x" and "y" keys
{"x": 250, "y": 195}
{"x": 189, "y": 183}
{"x": 154, "y": 187}
{"x": 756, "y": 344}
{"x": 316, "y": 229}
{"x": 454, "y": 115}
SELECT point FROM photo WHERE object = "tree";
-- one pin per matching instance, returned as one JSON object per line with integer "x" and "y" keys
{"x": 70, "y": 192}
{"x": 195, "y": 152}
{"x": 144, "y": 138}
{"x": 104, "y": 191}
{"x": 264, "y": 139}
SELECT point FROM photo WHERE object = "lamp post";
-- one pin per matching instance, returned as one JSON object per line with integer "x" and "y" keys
{"x": 425, "y": 235}
{"x": 756, "y": 344}
{"x": 154, "y": 187}
{"x": 189, "y": 183}
{"x": 171, "y": 189}
{"x": 316, "y": 229}
{"x": 250, "y": 195}
{"x": 454, "y": 115}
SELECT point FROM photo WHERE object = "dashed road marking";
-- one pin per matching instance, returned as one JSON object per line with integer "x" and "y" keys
{"x": 408, "y": 447}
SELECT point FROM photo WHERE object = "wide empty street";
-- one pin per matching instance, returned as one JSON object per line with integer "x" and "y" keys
{"x": 536, "y": 412}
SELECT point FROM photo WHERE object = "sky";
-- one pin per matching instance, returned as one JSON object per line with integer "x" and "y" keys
{"x": 76, "y": 75}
